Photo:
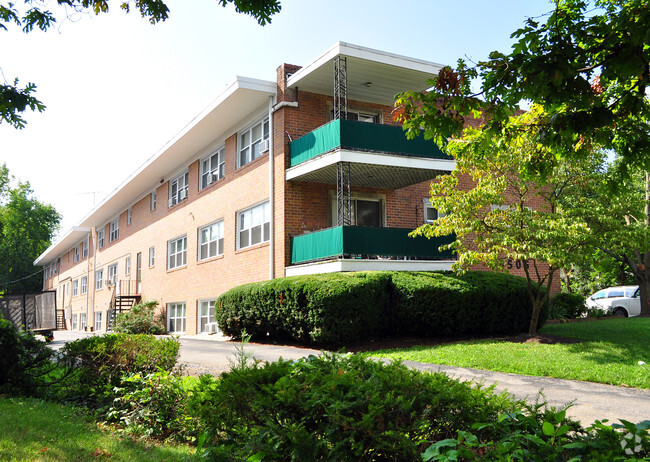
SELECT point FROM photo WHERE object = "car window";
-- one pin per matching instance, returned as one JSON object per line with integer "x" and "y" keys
{"x": 637, "y": 293}
{"x": 599, "y": 294}
{"x": 615, "y": 293}
{"x": 630, "y": 291}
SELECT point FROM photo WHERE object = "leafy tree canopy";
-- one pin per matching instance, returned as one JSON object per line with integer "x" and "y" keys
{"x": 16, "y": 99}
{"x": 586, "y": 63}
{"x": 26, "y": 230}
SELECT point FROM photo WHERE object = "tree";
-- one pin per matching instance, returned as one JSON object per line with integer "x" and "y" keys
{"x": 587, "y": 66}
{"x": 15, "y": 100}
{"x": 26, "y": 230}
{"x": 508, "y": 215}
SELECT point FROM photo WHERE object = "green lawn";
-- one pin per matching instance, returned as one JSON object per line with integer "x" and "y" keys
{"x": 32, "y": 429}
{"x": 609, "y": 353}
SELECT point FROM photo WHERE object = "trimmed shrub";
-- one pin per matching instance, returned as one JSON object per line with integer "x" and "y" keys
{"x": 141, "y": 319}
{"x": 327, "y": 309}
{"x": 572, "y": 306}
{"x": 337, "y": 407}
{"x": 101, "y": 361}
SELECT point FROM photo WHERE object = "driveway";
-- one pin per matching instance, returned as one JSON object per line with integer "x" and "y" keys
{"x": 203, "y": 354}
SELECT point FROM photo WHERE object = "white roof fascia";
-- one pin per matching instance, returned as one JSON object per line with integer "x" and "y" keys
{"x": 68, "y": 240}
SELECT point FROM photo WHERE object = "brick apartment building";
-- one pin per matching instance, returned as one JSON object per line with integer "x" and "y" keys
{"x": 306, "y": 174}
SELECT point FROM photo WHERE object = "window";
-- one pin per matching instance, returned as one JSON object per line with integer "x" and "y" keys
{"x": 98, "y": 321}
{"x": 75, "y": 287}
{"x": 82, "y": 321}
{"x": 254, "y": 225}
{"x": 74, "y": 322}
{"x": 76, "y": 255}
{"x": 84, "y": 285}
{"x": 99, "y": 279}
{"x": 176, "y": 317}
{"x": 176, "y": 251}
{"x": 206, "y": 314}
{"x": 115, "y": 230}
{"x": 213, "y": 167}
{"x": 430, "y": 213}
{"x": 250, "y": 141}
{"x": 366, "y": 211}
{"x": 368, "y": 117}
{"x": 178, "y": 189}
{"x": 153, "y": 200}
{"x": 112, "y": 274}
{"x": 211, "y": 240}
{"x": 129, "y": 214}
{"x": 84, "y": 250}
{"x": 152, "y": 254}
{"x": 100, "y": 238}
{"x": 127, "y": 266}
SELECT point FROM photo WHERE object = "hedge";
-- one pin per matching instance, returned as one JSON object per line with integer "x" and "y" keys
{"x": 339, "y": 308}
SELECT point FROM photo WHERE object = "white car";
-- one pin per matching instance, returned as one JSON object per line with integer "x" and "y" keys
{"x": 620, "y": 301}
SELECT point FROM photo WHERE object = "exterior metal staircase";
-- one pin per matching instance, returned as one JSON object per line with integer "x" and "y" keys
{"x": 121, "y": 301}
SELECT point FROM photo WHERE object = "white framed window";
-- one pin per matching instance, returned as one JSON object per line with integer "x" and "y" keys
{"x": 153, "y": 200}
{"x": 430, "y": 212}
{"x": 100, "y": 238}
{"x": 112, "y": 274}
{"x": 152, "y": 256}
{"x": 84, "y": 285}
{"x": 211, "y": 240}
{"x": 114, "y": 230}
{"x": 254, "y": 225}
{"x": 129, "y": 215}
{"x": 213, "y": 167}
{"x": 176, "y": 317}
{"x": 176, "y": 252}
{"x": 127, "y": 266}
{"x": 75, "y": 287}
{"x": 250, "y": 141}
{"x": 364, "y": 211}
{"x": 82, "y": 321}
{"x": 76, "y": 255}
{"x": 74, "y": 322}
{"x": 178, "y": 188}
{"x": 98, "y": 321}
{"x": 84, "y": 249}
{"x": 206, "y": 314}
{"x": 99, "y": 279}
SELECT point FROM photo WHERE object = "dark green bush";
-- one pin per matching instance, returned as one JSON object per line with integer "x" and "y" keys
{"x": 340, "y": 408}
{"x": 141, "y": 319}
{"x": 572, "y": 306}
{"x": 327, "y": 308}
{"x": 26, "y": 363}
{"x": 101, "y": 361}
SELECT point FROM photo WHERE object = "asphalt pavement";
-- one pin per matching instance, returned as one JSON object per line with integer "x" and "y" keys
{"x": 201, "y": 354}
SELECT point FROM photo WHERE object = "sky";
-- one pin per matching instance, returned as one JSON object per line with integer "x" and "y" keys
{"x": 117, "y": 88}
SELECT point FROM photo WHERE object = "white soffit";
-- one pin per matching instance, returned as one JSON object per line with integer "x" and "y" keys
{"x": 372, "y": 75}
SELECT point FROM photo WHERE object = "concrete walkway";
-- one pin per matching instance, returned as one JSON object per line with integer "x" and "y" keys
{"x": 210, "y": 354}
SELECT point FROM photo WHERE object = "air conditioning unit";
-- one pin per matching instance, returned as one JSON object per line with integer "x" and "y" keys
{"x": 183, "y": 194}
{"x": 171, "y": 202}
{"x": 110, "y": 283}
{"x": 214, "y": 177}
{"x": 265, "y": 145}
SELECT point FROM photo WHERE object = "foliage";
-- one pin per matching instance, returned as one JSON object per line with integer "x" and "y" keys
{"x": 101, "y": 361}
{"x": 26, "y": 363}
{"x": 14, "y": 100}
{"x": 336, "y": 407}
{"x": 570, "y": 305}
{"x": 26, "y": 230}
{"x": 595, "y": 272}
{"x": 336, "y": 309}
{"x": 141, "y": 319}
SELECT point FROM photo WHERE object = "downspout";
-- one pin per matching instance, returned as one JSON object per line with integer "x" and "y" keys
{"x": 271, "y": 194}
{"x": 88, "y": 273}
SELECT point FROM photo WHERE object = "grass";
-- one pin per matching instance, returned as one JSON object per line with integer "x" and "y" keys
{"x": 609, "y": 352}
{"x": 32, "y": 429}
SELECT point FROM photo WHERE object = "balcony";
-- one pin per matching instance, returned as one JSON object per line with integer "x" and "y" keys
{"x": 385, "y": 247}
{"x": 380, "y": 156}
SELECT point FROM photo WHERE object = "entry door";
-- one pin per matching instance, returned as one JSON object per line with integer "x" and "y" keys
{"x": 138, "y": 272}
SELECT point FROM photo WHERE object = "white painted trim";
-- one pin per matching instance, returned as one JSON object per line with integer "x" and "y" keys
{"x": 349, "y": 265}
{"x": 361, "y": 157}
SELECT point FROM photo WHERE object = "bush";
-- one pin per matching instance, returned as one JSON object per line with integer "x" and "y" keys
{"x": 141, "y": 319}
{"x": 327, "y": 308}
{"x": 101, "y": 361}
{"x": 335, "y": 309}
{"x": 568, "y": 306}
{"x": 336, "y": 407}
{"x": 26, "y": 363}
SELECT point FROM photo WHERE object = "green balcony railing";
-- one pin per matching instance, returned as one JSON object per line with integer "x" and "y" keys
{"x": 361, "y": 136}
{"x": 343, "y": 241}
